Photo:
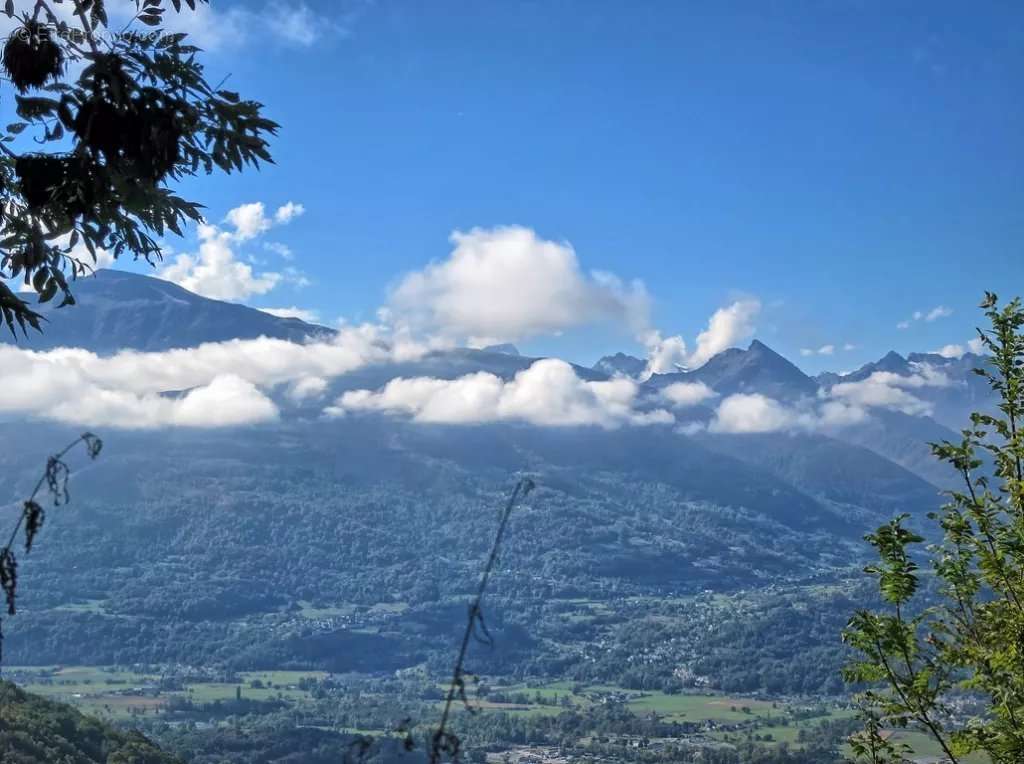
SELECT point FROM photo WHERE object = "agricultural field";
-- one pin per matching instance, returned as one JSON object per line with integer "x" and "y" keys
{"x": 118, "y": 694}
{"x": 720, "y": 709}
{"x": 121, "y": 695}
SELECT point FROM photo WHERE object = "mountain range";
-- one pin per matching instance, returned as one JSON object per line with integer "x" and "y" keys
{"x": 196, "y": 539}
{"x": 118, "y": 310}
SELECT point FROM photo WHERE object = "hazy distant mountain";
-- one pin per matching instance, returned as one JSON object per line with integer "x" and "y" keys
{"x": 904, "y": 440}
{"x": 952, "y": 398}
{"x": 758, "y": 369}
{"x": 506, "y": 348}
{"x": 833, "y": 470}
{"x": 891, "y": 362}
{"x": 118, "y": 310}
{"x": 620, "y": 363}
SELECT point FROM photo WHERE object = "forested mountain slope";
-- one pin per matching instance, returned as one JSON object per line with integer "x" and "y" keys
{"x": 34, "y": 730}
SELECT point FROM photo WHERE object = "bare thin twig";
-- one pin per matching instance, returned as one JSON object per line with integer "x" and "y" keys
{"x": 444, "y": 741}
{"x": 55, "y": 478}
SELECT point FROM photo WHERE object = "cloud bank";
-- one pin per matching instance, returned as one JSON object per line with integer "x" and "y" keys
{"x": 224, "y": 383}
{"x": 886, "y": 390}
{"x": 548, "y": 393}
{"x": 496, "y": 285}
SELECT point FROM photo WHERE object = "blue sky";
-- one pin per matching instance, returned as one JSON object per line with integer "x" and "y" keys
{"x": 844, "y": 163}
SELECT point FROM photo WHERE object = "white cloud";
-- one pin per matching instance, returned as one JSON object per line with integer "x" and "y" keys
{"x": 248, "y": 220}
{"x": 504, "y": 284}
{"x": 976, "y": 346}
{"x": 665, "y": 355}
{"x": 224, "y": 380}
{"x": 950, "y": 351}
{"x": 216, "y": 271}
{"x": 823, "y": 350}
{"x": 840, "y": 414}
{"x": 755, "y": 413}
{"x": 844, "y": 404}
{"x": 282, "y": 250}
{"x": 287, "y": 212}
{"x": 870, "y": 394}
{"x": 691, "y": 428}
{"x": 752, "y": 413}
{"x": 928, "y": 316}
{"x": 726, "y": 327}
{"x": 294, "y": 276}
{"x": 307, "y": 387}
{"x": 686, "y": 394}
{"x": 296, "y": 23}
{"x": 548, "y": 393}
{"x": 215, "y": 28}
{"x": 309, "y": 316}
{"x": 887, "y": 390}
{"x": 225, "y": 401}
{"x": 228, "y": 400}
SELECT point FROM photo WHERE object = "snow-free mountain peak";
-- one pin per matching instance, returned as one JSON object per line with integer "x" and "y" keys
{"x": 118, "y": 310}
{"x": 621, "y": 364}
{"x": 758, "y": 369}
{"x": 505, "y": 348}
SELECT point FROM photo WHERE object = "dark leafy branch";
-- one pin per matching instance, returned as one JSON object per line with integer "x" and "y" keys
{"x": 55, "y": 481}
{"x": 138, "y": 116}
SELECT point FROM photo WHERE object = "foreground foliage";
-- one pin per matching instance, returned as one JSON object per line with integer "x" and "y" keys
{"x": 112, "y": 110}
{"x": 931, "y": 662}
{"x": 37, "y": 731}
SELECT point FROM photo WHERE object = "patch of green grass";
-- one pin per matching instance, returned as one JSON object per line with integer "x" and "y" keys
{"x": 390, "y": 607}
{"x": 209, "y": 692}
{"x": 925, "y": 745}
{"x": 117, "y": 707}
{"x": 306, "y": 610}
{"x": 697, "y": 708}
{"x": 88, "y": 606}
{"x": 117, "y": 694}
{"x": 281, "y": 678}
{"x": 67, "y": 682}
